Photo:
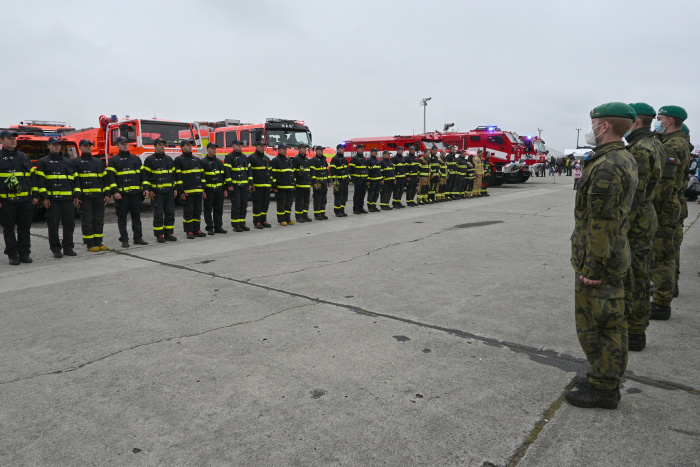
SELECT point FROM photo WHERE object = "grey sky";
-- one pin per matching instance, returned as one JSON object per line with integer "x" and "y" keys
{"x": 352, "y": 68}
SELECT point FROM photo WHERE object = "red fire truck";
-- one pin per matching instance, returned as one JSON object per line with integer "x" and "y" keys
{"x": 273, "y": 132}
{"x": 536, "y": 153}
{"x": 505, "y": 150}
{"x": 390, "y": 143}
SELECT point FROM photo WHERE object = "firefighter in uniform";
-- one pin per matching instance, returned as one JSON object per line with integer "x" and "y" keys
{"x": 302, "y": 184}
{"x": 340, "y": 178}
{"x": 387, "y": 181}
{"x": 469, "y": 178}
{"x": 358, "y": 175}
{"x": 260, "y": 166}
{"x": 282, "y": 175}
{"x": 159, "y": 179}
{"x": 399, "y": 162}
{"x": 648, "y": 153}
{"x": 374, "y": 177}
{"x": 451, "y": 161}
{"x": 460, "y": 180}
{"x": 423, "y": 178}
{"x": 124, "y": 171}
{"x": 319, "y": 179}
{"x": 214, "y": 180}
{"x": 239, "y": 180}
{"x": 434, "y": 174}
{"x": 478, "y": 174}
{"x": 442, "y": 184}
{"x": 668, "y": 126}
{"x": 189, "y": 180}
{"x": 600, "y": 256}
{"x": 92, "y": 176}
{"x": 411, "y": 170}
{"x": 17, "y": 194}
{"x": 487, "y": 174}
{"x": 59, "y": 192}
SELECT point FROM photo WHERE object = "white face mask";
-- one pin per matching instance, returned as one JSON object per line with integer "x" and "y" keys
{"x": 591, "y": 136}
{"x": 658, "y": 127}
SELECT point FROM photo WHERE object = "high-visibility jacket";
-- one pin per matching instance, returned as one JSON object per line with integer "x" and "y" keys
{"x": 189, "y": 174}
{"x": 124, "y": 171}
{"x": 55, "y": 178}
{"x": 282, "y": 173}
{"x": 319, "y": 169}
{"x": 461, "y": 166}
{"x": 399, "y": 162}
{"x": 471, "y": 170}
{"x": 358, "y": 167}
{"x": 339, "y": 168}
{"x": 158, "y": 173}
{"x": 260, "y": 166}
{"x": 411, "y": 165}
{"x": 374, "y": 171}
{"x": 214, "y": 173}
{"x": 434, "y": 166}
{"x": 16, "y": 164}
{"x": 423, "y": 166}
{"x": 92, "y": 176}
{"x": 388, "y": 172}
{"x": 237, "y": 169}
{"x": 302, "y": 171}
{"x": 451, "y": 161}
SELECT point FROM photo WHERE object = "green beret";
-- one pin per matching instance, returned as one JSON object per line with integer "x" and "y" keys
{"x": 614, "y": 109}
{"x": 673, "y": 111}
{"x": 642, "y": 108}
{"x": 685, "y": 129}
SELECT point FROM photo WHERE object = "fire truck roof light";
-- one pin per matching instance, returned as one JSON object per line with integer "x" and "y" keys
{"x": 114, "y": 118}
{"x": 301, "y": 122}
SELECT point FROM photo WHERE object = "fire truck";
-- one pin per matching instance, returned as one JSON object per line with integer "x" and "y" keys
{"x": 505, "y": 148}
{"x": 423, "y": 142}
{"x": 33, "y": 137}
{"x": 536, "y": 153}
{"x": 273, "y": 132}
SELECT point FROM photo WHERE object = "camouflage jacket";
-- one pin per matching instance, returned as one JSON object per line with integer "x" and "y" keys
{"x": 599, "y": 245}
{"x": 648, "y": 153}
{"x": 676, "y": 149}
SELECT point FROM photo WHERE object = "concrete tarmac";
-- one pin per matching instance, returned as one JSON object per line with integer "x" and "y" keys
{"x": 433, "y": 335}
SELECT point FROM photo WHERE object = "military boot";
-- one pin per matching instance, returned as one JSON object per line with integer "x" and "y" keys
{"x": 637, "y": 342}
{"x": 591, "y": 397}
{"x": 658, "y": 312}
{"x": 581, "y": 382}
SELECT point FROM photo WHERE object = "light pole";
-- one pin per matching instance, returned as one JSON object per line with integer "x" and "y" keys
{"x": 424, "y": 103}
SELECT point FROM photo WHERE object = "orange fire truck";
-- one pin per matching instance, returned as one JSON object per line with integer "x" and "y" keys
{"x": 273, "y": 132}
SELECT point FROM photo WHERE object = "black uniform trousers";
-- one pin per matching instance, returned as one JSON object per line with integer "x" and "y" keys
{"x": 16, "y": 215}
{"x": 239, "y": 205}
{"x": 92, "y": 220}
{"x": 285, "y": 199}
{"x": 411, "y": 190}
{"x": 469, "y": 186}
{"x": 358, "y": 195}
{"x": 387, "y": 190}
{"x": 301, "y": 202}
{"x": 214, "y": 204}
{"x": 61, "y": 212}
{"x": 398, "y": 190}
{"x": 373, "y": 193}
{"x": 340, "y": 197}
{"x": 451, "y": 187}
{"x": 163, "y": 213}
{"x": 261, "y": 202}
{"x": 320, "y": 199}
{"x": 130, "y": 204}
{"x": 192, "y": 213}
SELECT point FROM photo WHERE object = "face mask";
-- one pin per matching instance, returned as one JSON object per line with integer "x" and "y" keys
{"x": 629, "y": 132}
{"x": 658, "y": 128}
{"x": 591, "y": 136}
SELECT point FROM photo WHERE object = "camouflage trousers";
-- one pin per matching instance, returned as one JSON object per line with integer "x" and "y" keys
{"x": 677, "y": 240}
{"x": 637, "y": 281}
{"x": 602, "y": 330}
{"x": 663, "y": 265}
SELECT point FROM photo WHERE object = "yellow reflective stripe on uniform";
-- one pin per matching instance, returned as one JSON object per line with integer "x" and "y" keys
{"x": 190, "y": 220}
{"x": 195, "y": 190}
{"x": 14, "y": 195}
{"x": 129, "y": 188}
{"x": 16, "y": 174}
{"x": 214, "y": 173}
{"x": 286, "y": 187}
{"x": 88, "y": 175}
{"x": 262, "y": 185}
{"x": 214, "y": 185}
{"x": 283, "y": 170}
{"x": 189, "y": 171}
{"x": 258, "y": 167}
{"x": 126, "y": 172}
{"x": 93, "y": 190}
{"x": 59, "y": 193}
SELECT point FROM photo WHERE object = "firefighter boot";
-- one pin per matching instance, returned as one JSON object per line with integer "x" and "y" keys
{"x": 14, "y": 260}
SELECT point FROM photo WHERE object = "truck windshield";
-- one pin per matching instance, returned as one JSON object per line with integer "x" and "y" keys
{"x": 539, "y": 146}
{"x": 171, "y": 132}
{"x": 289, "y": 137}
{"x": 429, "y": 144}
{"x": 513, "y": 137}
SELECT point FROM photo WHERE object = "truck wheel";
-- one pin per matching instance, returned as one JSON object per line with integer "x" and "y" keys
{"x": 526, "y": 177}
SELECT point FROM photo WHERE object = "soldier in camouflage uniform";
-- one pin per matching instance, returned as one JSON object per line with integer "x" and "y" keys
{"x": 600, "y": 255}
{"x": 648, "y": 154}
{"x": 668, "y": 242}
{"x": 685, "y": 133}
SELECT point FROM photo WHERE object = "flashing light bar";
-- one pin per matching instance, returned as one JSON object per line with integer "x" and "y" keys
{"x": 43, "y": 123}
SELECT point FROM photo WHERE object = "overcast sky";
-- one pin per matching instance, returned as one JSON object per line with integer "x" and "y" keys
{"x": 351, "y": 68}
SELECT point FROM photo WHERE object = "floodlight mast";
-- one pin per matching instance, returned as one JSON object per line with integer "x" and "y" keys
{"x": 424, "y": 104}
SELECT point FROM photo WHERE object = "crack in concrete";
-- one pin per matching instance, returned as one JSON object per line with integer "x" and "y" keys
{"x": 164, "y": 339}
{"x": 390, "y": 245}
